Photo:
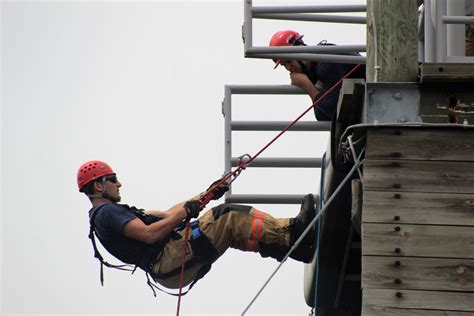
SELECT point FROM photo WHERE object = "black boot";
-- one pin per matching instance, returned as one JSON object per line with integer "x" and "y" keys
{"x": 302, "y": 253}
{"x": 302, "y": 221}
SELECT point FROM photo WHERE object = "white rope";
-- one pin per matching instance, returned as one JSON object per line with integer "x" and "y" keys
{"x": 351, "y": 145}
{"x": 356, "y": 166}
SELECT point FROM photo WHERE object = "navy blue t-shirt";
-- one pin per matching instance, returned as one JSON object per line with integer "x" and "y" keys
{"x": 109, "y": 223}
{"x": 329, "y": 74}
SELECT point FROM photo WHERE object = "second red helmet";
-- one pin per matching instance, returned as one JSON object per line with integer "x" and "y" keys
{"x": 284, "y": 38}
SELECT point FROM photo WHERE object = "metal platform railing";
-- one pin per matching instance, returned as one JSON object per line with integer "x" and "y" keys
{"x": 303, "y": 13}
{"x": 444, "y": 33}
{"x": 273, "y": 162}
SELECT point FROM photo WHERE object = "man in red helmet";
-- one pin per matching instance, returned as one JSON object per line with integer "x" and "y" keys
{"x": 155, "y": 240}
{"x": 314, "y": 77}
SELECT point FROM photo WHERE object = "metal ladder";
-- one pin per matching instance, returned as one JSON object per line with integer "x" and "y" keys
{"x": 274, "y": 162}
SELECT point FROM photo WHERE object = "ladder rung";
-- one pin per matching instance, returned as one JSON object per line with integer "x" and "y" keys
{"x": 265, "y": 198}
{"x": 309, "y": 9}
{"x": 279, "y": 125}
{"x": 282, "y": 162}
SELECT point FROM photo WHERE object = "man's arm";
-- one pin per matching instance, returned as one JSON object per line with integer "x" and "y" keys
{"x": 157, "y": 213}
{"x": 302, "y": 81}
{"x": 164, "y": 214}
{"x": 154, "y": 232}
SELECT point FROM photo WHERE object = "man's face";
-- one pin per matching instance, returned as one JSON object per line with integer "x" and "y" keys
{"x": 112, "y": 188}
{"x": 291, "y": 66}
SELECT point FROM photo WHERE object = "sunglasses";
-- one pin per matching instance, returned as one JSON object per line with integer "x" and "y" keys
{"x": 112, "y": 179}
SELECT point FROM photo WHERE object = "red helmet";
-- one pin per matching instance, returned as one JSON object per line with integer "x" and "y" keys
{"x": 92, "y": 170}
{"x": 284, "y": 38}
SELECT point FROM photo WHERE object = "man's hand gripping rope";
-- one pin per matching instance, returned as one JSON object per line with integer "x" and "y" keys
{"x": 217, "y": 189}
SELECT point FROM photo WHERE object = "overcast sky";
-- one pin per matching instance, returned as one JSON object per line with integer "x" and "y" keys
{"x": 138, "y": 85}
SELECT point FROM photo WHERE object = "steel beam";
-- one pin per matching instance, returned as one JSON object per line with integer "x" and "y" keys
{"x": 279, "y": 126}
{"x": 313, "y": 18}
{"x": 455, "y": 31}
{"x": 324, "y": 49}
{"x": 265, "y": 89}
{"x": 457, "y": 19}
{"x": 440, "y": 31}
{"x": 429, "y": 37}
{"x": 266, "y": 198}
{"x": 308, "y": 9}
{"x": 281, "y": 162}
{"x": 247, "y": 26}
{"x": 342, "y": 59}
{"x": 227, "y": 112}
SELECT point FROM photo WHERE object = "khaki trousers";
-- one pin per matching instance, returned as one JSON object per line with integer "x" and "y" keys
{"x": 227, "y": 225}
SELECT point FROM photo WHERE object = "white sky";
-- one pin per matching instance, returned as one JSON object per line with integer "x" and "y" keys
{"x": 139, "y": 85}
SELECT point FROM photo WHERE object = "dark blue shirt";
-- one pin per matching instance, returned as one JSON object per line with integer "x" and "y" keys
{"x": 329, "y": 74}
{"x": 109, "y": 223}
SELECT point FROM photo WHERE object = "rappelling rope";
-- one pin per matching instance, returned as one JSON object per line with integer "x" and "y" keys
{"x": 208, "y": 195}
{"x": 183, "y": 264}
{"x": 356, "y": 166}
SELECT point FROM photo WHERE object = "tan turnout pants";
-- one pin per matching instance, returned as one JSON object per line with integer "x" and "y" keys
{"x": 227, "y": 225}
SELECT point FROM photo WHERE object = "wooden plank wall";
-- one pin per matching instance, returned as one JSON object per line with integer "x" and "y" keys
{"x": 418, "y": 222}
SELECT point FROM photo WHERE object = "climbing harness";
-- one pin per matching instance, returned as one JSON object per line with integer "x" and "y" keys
{"x": 150, "y": 252}
{"x": 92, "y": 234}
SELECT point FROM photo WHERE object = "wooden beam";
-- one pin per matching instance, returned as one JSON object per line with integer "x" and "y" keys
{"x": 421, "y": 144}
{"x": 411, "y": 299}
{"x": 418, "y": 273}
{"x": 419, "y": 176}
{"x": 418, "y": 240}
{"x": 392, "y": 40}
{"x": 418, "y": 208}
{"x": 371, "y": 310}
